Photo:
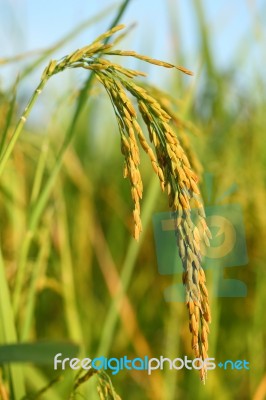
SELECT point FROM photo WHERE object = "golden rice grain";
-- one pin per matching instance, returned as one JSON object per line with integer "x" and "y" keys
{"x": 168, "y": 157}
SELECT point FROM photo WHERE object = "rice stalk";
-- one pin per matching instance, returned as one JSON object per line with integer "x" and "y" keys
{"x": 105, "y": 387}
{"x": 168, "y": 159}
{"x": 176, "y": 176}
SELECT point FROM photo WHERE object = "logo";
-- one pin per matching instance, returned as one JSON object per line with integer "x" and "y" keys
{"x": 227, "y": 248}
{"x": 144, "y": 363}
{"x": 226, "y": 231}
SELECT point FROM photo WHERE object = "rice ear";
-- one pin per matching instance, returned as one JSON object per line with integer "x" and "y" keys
{"x": 168, "y": 159}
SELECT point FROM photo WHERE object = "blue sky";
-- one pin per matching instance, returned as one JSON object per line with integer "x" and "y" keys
{"x": 235, "y": 27}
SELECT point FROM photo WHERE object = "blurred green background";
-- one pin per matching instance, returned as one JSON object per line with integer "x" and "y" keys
{"x": 72, "y": 265}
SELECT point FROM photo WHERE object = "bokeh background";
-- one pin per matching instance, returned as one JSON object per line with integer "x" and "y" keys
{"x": 81, "y": 252}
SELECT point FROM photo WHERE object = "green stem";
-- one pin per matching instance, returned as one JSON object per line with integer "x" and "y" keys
{"x": 40, "y": 170}
{"x": 67, "y": 275}
{"x": 172, "y": 343}
{"x": 20, "y": 125}
{"x": 9, "y": 117}
{"x": 9, "y": 334}
{"x": 32, "y": 291}
{"x": 21, "y": 270}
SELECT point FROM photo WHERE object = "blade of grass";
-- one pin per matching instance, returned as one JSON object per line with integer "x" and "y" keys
{"x": 256, "y": 348}
{"x": 41, "y": 353}
{"x": 35, "y": 380}
{"x": 32, "y": 290}
{"x": 9, "y": 116}
{"x": 39, "y": 171}
{"x": 21, "y": 270}
{"x": 67, "y": 274}
{"x": 212, "y": 72}
{"x": 127, "y": 270}
{"x": 6, "y": 154}
{"x": 172, "y": 338}
{"x": 9, "y": 332}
